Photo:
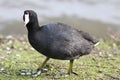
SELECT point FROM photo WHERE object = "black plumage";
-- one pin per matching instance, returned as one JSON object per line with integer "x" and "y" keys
{"x": 57, "y": 40}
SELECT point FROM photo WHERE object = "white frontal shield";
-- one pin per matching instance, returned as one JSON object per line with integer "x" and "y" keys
{"x": 26, "y": 19}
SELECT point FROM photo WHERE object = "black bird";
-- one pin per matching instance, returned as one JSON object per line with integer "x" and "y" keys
{"x": 57, "y": 40}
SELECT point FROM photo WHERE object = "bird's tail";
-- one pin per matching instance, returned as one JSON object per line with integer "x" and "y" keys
{"x": 97, "y": 44}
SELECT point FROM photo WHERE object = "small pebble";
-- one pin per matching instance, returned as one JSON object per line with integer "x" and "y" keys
{"x": 32, "y": 49}
{"x": 22, "y": 74}
{"x": 1, "y": 70}
{"x": 25, "y": 72}
{"x": 8, "y": 48}
{"x": 100, "y": 71}
{"x": 20, "y": 49}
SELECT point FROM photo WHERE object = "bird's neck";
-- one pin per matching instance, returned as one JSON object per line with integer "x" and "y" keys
{"x": 32, "y": 27}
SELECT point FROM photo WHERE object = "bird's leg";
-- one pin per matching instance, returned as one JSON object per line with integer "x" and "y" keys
{"x": 39, "y": 69}
{"x": 43, "y": 64}
{"x": 70, "y": 72}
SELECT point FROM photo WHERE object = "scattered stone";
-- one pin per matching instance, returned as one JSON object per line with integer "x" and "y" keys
{"x": 25, "y": 72}
{"x": 8, "y": 48}
{"x": 1, "y": 70}
{"x": 100, "y": 71}
{"x": 32, "y": 49}
{"x": 21, "y": 49}
{"x": 100, "y": 54}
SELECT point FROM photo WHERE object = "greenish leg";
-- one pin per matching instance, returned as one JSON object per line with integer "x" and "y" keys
{"x": 43, "y": 64}
{"x": 39, "y": 69}
{"x": 70, "y": 72}
{"x": 70, "y": 66}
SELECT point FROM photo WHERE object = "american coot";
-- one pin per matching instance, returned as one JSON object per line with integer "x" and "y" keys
{"x": 57, "y": 40}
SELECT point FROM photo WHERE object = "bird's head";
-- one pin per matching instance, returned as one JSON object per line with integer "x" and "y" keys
{"x": 29, "y": 16}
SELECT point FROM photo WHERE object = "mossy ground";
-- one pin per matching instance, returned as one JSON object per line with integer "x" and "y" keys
{"x": 16, "y": 54}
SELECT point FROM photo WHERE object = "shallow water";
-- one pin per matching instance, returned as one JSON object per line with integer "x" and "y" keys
{"x": 103, "y": 11}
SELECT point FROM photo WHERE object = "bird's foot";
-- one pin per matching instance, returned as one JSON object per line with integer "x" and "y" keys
{"x": 36, "y": 74}
{"x": 62, "y": 74}
{"x": 71, "y": 73}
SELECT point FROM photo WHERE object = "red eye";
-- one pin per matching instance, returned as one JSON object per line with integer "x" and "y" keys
{"x": 30, "y": 14}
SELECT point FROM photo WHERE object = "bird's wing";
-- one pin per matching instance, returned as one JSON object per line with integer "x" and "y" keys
{"x": 88, "y": 37}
